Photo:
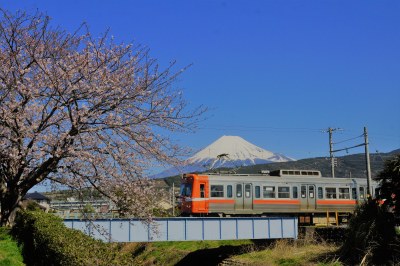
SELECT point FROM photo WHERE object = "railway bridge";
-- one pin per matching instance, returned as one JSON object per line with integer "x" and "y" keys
{"x": 187, "y": 228}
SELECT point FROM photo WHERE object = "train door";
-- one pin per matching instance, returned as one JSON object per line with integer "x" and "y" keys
{"x": 307, "y": 197}
{"x": 244, "y": 196}
{"x": 202, "y": 202}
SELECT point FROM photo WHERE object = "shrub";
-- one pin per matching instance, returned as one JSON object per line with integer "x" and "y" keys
{"x": 371, "y": 236}
{"x": 46, "y": 240}
{"x": 33, "y": 206}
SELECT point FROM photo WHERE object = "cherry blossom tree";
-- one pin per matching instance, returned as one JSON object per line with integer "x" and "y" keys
{"x": 83, "y": 111}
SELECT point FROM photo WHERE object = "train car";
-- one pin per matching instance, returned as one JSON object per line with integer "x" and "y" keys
{"x": 283, "y": 192}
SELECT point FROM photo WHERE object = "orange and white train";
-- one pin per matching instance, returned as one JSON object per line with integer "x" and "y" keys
{"x": 280, "y": 192}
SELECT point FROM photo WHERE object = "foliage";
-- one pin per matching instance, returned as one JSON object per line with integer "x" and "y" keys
{"x": 83, "y": 111}
{"x": 33, "y": 206}
{"x": 371, "y": 236}
{"x": 46, "y": 241}
{"x": 390, "y": 185}
{"x": 65, "y": 194}
{"x": 10, "y": 253}
{"x": 88, "y": 208}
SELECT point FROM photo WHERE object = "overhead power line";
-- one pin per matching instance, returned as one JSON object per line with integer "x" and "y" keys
{"x": 348, "y": 148}
{"x": 349, "y": 139}
{"x": 255, "y": 128}
{"x": 367, "y": 157}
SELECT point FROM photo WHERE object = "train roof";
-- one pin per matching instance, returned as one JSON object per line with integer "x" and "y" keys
{"x": 283, "y": 175}
{"x": 281, "y": 172}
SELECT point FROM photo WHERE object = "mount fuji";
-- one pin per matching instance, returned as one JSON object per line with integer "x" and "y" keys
{"x": 227, "y": 152}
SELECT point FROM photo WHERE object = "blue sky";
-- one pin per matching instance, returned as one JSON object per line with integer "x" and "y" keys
{"x": 276, "y": 73}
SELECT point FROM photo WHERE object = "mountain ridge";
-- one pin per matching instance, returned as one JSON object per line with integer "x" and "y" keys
{"x": 352, "y": 165}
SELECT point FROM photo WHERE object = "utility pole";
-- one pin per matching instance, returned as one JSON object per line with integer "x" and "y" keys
{"x": 367, "y": 162}
{"x": 330, "y": 130}
{"x": 331, "y": 151}
{"x": 172, "y": 194}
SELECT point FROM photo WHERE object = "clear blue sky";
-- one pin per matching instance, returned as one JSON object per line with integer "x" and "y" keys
{"x": 273, "y": 72}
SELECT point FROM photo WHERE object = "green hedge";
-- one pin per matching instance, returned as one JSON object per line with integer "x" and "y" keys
{"x": 46, "y": 240}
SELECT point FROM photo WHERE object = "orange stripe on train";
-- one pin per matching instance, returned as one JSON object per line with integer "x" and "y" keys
{"x": 223, "y": 201}
{"x": 294, "y": 202}
{"x": 336, "y": 202}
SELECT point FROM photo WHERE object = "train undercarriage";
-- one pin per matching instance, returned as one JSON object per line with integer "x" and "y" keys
{"x": 328, "y": 218}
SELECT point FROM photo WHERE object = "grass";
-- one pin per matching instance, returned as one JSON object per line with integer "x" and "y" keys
{"x": 172, "y": 253}
{"x": 10, "y": 253}
{"x": 291, "y": 253}
{"x": 280, "y": 252}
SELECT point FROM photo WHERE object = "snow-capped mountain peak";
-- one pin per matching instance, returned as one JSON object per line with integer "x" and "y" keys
{"x": 234, "y": 147}
{"x": 227, "y": 151}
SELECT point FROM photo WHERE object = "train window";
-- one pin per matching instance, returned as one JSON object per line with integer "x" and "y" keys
{"x": 294, "y": 192}
{"x": 320, "y": 193}
{"x": 285, "y": 172}
{"x": 344, "y": 193}
{"x": 303, "y": 173}
{"x": 247, "y": 190}
{"x": 303, "y": 191}
{"x": 311, "y": 192}
{"x": 268, "y": 192}
{"x": 186, "y": 190}
{"x": 257, "y": 192}
{"x": 229, "y": 193}
{"x": 291, "y": 172}
{"x": 362, "y": 193}
{"x": 217, "y": 191}
{"x": 354, "y": 193}
{"x": 316, "y": 173}
{"x": 202, "y": 192}
{"x": 330, "y": 192}
{"x": 297, "y": 172}
{"x": 283, "y": 192}
{"x": 238, "y": 190}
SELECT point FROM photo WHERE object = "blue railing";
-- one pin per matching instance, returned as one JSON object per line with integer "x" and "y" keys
{"x": 187, "y": 229}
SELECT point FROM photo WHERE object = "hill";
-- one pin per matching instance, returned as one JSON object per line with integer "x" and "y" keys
{"x": 353, "y": 165}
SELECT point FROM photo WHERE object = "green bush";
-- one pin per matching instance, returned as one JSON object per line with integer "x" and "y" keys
{"x": 371, "y": 237}
{"x": 46, "y": 240}
{"x": 33, "y": 206}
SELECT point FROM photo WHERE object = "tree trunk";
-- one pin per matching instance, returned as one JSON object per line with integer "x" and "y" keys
{"x": 9, "y": 206}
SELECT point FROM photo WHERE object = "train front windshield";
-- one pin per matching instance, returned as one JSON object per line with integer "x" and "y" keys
{"x": 186, "y": 190}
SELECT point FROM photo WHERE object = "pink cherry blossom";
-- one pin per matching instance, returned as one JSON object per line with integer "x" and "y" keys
{"x": 83, "y": 111}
